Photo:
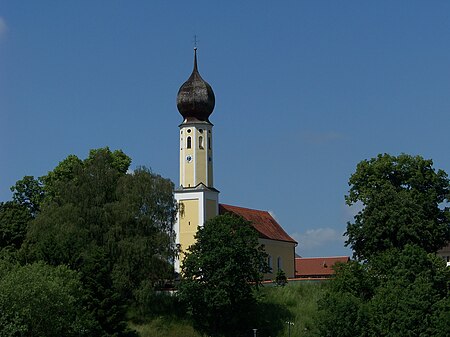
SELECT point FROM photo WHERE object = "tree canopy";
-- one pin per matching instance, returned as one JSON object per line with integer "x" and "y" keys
{"x": 404, "y": 202}
{"x": 401, "y": 292}
{"x": 397, "y": 286}
{"x": 113, "y": 227}
{"x": 40, "y": 300}
{"x": 14, "y": 219}
{"x": 219, "y": 274}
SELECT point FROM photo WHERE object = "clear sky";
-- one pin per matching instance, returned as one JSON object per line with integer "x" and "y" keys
{"x": 304, "y": 91}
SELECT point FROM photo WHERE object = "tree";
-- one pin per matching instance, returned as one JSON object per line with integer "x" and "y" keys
{"x": 14, "y": 219}
{"x": 113, "y": 227}
{"x": 406, "y": 298}
{"x": 402, "y": 199}
{"x": 281, "y": 279}
{"x": 219, "y": 274}
{"x": 401, "y": 292}
{"x": 40, "y": 300}
{"x": 397, "y": 286}
{"x": 28, "y": 192}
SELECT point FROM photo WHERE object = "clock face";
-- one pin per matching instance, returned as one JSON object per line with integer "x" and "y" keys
{"x": 189, "y": 158}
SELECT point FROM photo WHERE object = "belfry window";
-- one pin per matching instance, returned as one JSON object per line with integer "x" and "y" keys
{"x": 200, "y": 142}
{"x": 188, "y": 142}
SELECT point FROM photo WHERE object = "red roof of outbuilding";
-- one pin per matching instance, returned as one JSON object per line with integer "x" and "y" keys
{"x": 262, "y": 221}
{"x": 317, "y": 266}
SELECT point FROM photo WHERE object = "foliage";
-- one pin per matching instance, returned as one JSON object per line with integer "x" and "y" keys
{"x": 281, "y": 279}
{"x": 297, "y": 303}
{"x": 114, "y": 228}
{"x": 163, "y": 326}
{"x": 40, "y": 300}
{"x": 14, "y": 219}
{"x": 149, "y": 303}
{"x": 405, "y": 300}
{"x": 402, "y": 198}
{"x": 398, "y": 286}
{"x": 398, "y": 293}
{"x": 220, "y": 273}
{"x": 29, "y": 193}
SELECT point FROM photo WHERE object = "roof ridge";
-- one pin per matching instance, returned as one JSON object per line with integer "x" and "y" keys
{"x": 250, "y": 209}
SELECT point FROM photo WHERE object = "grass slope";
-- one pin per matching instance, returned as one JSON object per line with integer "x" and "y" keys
{"x": 296, "y": 302}
{"x": 300, "y": 301}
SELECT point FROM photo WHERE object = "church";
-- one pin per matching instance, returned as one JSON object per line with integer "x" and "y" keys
{"x": 198, "y": 199}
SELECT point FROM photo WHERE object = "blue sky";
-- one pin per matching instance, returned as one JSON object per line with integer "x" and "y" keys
{"x": 304, "y": 91}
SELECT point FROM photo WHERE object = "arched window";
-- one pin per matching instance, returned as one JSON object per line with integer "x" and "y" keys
{"x": 189, "y": 142}
{"x": 200, "y": 142}
{"x": 269, "y": 263}
{"x": 279, "y": 263}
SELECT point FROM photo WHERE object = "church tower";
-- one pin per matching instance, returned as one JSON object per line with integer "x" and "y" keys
{"x": 197, "y": 199}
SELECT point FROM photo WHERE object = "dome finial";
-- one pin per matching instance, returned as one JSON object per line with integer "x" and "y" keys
{"x": 195, "y": 59}
{"x": 195, "y": 99}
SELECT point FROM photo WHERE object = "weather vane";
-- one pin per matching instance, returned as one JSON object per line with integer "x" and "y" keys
{"x": 195, "y": 41}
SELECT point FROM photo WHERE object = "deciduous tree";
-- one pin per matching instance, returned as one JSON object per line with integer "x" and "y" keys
{"x": 40, "y": 300}
{"x": 28, "y": 192}
{"x": 397, "y": 286}
{"x": 114, "y": 227}
{"x": 403, "y": 202}
{"x": 220, "y": 273}
{"x": 14, "y": 219}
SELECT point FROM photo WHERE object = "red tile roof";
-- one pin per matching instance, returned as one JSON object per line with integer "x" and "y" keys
{"x": 262, "y": 221}
{"x": 317, "y": 266}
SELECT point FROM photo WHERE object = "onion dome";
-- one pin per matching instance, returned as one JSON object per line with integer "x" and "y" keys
{"x": 195, "y": 99}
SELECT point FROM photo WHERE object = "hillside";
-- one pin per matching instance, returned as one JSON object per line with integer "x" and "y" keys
{"x": 296, "y": 302}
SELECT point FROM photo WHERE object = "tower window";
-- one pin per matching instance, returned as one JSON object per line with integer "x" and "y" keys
{"x": 209, "y": 143}
{"x": 188, "y": 130}
{"x": 200, "y": 142}
{"x": 189, "y": 142}
{"x": 200, "y": 130}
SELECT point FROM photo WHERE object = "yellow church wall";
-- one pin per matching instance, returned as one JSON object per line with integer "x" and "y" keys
{"x": 210, "y": 168}
{"x": 181, "y": 166}
{"x": 283, "y": 250}
{"x": 201, "y": 166}
{"x": 189, "y": 222}
{"x": 211, "y": 209}
{"x": 189, "y": 169}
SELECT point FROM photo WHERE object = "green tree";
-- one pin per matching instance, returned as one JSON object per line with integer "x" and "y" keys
{"x": 28, "y": 192}
{"x": 40, "y": 300}
{"x": 402, "y": 200}
{"x": 114, "y": 228}
{"x": 406, "y": 298}
{"x": 401, "y": 292}
{"x": 398, "y": 286}
{"x": 220, "y": 273}
{"x": 281, "y": 279}
{"x": 64, "y": 172}
{"x": 14, "y": 219}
